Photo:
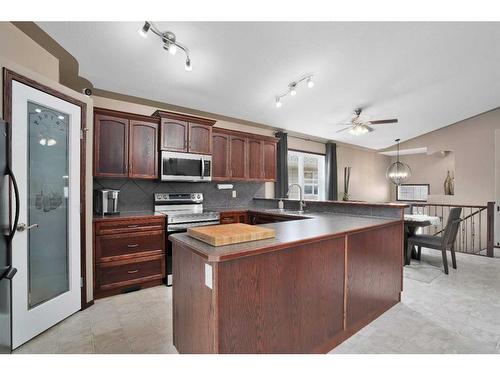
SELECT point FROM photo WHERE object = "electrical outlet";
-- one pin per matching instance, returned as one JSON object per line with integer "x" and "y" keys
{"x": 234, "y": 193}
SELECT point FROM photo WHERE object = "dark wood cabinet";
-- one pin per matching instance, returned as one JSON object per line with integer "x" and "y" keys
{"x": 220, "y": 156}
{"x": 125, "y": 145}
{"x": 174, "y": 135}
{"x": 143, "y": 149}
{"x": 200, "y": 139}
{"x": 255, "y": 159}
{"x": 269, "y": 152}
{"x": 231, "y": 217}
{"x": 110, "y": 146}
{"x": 239, "y": 156}
{"x": 129, "y": 254}
{"x": 184, "y": 133}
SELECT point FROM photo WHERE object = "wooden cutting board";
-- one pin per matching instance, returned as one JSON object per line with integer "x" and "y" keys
{"x": 227, "y": 234}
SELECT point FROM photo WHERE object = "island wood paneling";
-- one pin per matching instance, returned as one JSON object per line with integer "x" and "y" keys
{"x": 194, "y": 312}
{"x": 302, "y": 298}
{"x": 374, "y": 263}
{"x": 293, "y": 299}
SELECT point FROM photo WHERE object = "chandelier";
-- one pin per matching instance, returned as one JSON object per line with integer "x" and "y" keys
{"x": 398, "y": 171}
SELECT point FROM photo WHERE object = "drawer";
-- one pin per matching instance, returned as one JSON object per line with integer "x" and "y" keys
{"x": 111, "y": 247}
{"x": 124, "y": 273}
{"x": 129, "y": 225}
{"x": 228, "y": 219}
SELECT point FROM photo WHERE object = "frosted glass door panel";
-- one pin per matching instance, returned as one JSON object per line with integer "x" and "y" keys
{"x": 47, "y": 203}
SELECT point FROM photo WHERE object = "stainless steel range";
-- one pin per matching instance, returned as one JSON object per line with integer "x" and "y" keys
{"x": 183, "y": 211}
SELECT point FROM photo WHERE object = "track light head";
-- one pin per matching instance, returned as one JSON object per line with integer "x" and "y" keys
{"x": 293, "y": 92}
{"x": 310, "y": 83}
{"x": 278, "y": 102}
{"x": 188, "y": 65}
{"x": 143, "y": 31}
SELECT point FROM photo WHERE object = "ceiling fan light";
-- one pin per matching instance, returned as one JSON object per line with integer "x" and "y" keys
{"x": 43, "y": 141}
{"x": 143, "y": 31}
{"x": 51, "y": 142}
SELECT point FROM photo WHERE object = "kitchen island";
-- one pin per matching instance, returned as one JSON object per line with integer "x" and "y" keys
{"x": 322, "y": 279}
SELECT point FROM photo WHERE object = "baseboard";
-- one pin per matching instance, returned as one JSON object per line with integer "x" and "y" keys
{"x": 87, "y": 305}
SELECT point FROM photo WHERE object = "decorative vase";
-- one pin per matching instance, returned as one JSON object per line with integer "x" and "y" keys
{"x": 447, "y": 184}
{"x": 347, "y": 177}
{"x": 452, "y": 184}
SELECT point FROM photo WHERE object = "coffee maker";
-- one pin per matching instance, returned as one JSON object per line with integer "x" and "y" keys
{"x": 106, "y": 201}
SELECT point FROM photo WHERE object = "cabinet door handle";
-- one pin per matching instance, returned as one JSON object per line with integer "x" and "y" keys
{"x": 132, "y": 245}
{"x": 133, "y": 226}
{"x": 132, "y": 271}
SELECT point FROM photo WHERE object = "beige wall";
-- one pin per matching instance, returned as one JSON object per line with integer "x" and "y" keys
{"x": 473, "y": 144}
{"x": 367, "y": 181}
{"x": 19, "y": 54}
{"x": 430, "y": 169}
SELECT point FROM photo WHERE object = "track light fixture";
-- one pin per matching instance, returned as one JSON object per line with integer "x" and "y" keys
{"x": 169, "y": 42}
{"x": 292, "y": 88}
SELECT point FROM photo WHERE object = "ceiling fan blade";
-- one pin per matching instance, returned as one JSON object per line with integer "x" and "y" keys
{"x": 341, "y": 130}
{"x": 370, "y": 129}
{"x": 378, "y": 122}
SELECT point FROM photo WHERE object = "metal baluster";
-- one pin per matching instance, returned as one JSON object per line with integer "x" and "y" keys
{"x": 473, "y": 231}
{"x": 480, "y": 231}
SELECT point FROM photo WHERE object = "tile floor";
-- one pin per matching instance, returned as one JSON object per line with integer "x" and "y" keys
{"x": 458, "y": 313}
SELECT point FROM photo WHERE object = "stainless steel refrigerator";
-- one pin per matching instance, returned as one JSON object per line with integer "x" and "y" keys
{"x": 8, "y": 191}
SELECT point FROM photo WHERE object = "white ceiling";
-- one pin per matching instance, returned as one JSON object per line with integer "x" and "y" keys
{"x": 428, "y": 75}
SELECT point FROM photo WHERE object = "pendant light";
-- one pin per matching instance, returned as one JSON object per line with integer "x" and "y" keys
{"x": 398, "y": 171}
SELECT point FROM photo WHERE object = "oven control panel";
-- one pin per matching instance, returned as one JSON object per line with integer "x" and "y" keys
{"x": 174, "y": 198}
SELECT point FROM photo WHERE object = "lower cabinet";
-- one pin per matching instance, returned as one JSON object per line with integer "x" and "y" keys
{"x": 129, "y": 254}
{"x": 231, "y": 217}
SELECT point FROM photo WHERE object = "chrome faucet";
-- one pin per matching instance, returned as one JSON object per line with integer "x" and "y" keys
{"x": 302, "y": 204}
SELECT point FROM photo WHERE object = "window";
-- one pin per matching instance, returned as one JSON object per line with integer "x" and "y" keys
{"x": 307, "y": 170}
{"x": 412, "y": 192}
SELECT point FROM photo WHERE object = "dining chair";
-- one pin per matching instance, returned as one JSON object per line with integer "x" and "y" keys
{"x": 443, "y": 243}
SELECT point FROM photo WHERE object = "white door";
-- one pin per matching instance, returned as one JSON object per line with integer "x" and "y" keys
{"x": 46, "y": 247}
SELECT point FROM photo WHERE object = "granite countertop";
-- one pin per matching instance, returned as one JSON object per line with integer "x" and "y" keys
{"x": 308, "y": 227}
{"x": 124, "y": 215}
{"x": 344, "y": 203}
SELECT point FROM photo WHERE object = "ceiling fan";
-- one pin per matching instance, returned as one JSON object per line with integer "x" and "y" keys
{"x": 358, "y": 126}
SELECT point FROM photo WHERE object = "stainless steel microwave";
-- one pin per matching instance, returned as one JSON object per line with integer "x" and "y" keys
{"x": 178, "y": 166}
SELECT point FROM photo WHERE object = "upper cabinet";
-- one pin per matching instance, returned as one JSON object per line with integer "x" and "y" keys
{"x": 143, "y": 149}
{"x": 183, "y": 133}
{"x": 200, "y": 139}
{"x": 220, "y": 156}
{"x": 238, "y": 151}
{"x": 110, "y": 146}
{"x": 239, "y": 156}
{"x": 256, "y": 159}
{"x": 125, "y": 145}
{"x": 174, "y": 135}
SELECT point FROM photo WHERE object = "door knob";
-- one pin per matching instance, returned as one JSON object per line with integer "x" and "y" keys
{"x": 22, "y": 227}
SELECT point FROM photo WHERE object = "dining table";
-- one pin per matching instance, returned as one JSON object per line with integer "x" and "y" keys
{"x": 412, "y": 223}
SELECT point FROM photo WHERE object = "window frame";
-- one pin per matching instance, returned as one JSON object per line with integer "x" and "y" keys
{"x": 321, "y": 185}
{"x": 413, "y": 200}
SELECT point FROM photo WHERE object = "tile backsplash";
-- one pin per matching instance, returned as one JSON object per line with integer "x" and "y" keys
{"x": 137, "y": 195}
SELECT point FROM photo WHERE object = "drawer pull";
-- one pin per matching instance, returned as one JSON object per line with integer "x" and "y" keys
{"x": 133, "y": 226}
{"x": 132, "y": 271}
{"x": 131, "y": 246}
